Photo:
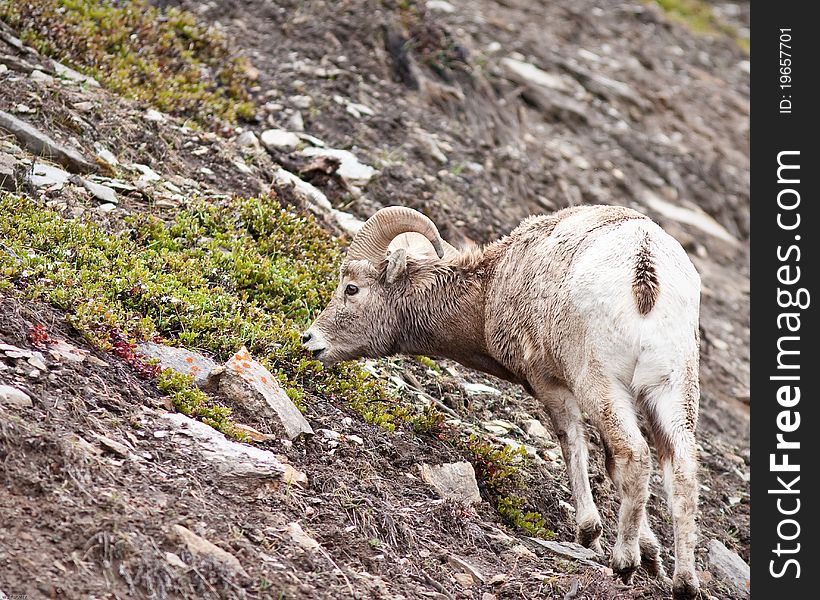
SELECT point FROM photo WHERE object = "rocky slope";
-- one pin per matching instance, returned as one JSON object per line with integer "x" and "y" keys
{"x": 477, "y": 113}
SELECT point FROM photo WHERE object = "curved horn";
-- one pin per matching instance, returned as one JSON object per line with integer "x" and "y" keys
{"x": 379, "y": 230}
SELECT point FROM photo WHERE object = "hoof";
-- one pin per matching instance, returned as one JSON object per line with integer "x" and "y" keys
{"x": 624, "y": 564}
{"x": 651, "y": 560}
{"x": 588, "y": 534}
{"x": 684, "y": 586}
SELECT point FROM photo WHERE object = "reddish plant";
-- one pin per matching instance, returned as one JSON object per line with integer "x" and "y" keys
{"x": 38, "y": 336}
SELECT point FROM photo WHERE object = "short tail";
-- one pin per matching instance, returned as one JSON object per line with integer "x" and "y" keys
{"x": 645, "y": 285}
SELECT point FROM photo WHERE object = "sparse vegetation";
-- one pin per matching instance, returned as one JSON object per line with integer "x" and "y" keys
{"x": 698, "y": 16}
{"x": 163, "y": 57}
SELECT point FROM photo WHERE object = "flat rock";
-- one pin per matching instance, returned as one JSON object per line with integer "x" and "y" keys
{"x": 65, "y": 72}
{"x": 528, "y": 73}
{"x": 102, "y": 193}
{"x": 694, "y": 217}
{"x": 249, "y": 383}
{"x": 535, "y": 429}
{"x": 727, "y": 566}
{"x": 350, "y": 168}
{"x": 480, "y": 388}
{"x": 8, "y": 165}
{"x": 40, "y": 144}
{"x": 11, "y": 396}
{"x": 202, "y": 549}
{"x": 43, "y": 175}
{"x": 302, "y": 539}
{"x": 453, "y": 481}
{"x": 247, "y": 139}
{"x": 569, "y": 550}
{"x": 180, "y": 360}
{"x": 279, "y": 139}
{"x": 228, "y": 457}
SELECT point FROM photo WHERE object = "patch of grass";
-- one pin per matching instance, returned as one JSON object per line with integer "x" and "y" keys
{"x": 219, "y": 276}
{"x": 513, "y": 508}
{"x": 163, "y": 57}
{"x": 697, "y": 16}
{"x": 193, "y": 402}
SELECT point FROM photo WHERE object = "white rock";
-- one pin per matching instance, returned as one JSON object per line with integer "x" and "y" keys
{"x": 181, "y": 360}
{"x": 279, "y": 139}
{"x": 106, "y": 207}
{"x": 250, "y": 384}
{"x": 357, "y": 110}
{"x": 568, "y": 550}
{"x": 295, "y": 122}
{"x": 40, "y": 77}
{"x": 247, "y": 139}
{"x": 106, "y": 154}
{"x": 729, "y": 567}
{"x": 536, "y": 429}
{"x": 175, "y": 561}
{"x": 11, "y": 396}
{"x": 228, "y": 457}
{"x": 454, "y": 481}
{"x": 3, "y": 69}
{"x": 83, "y": 106}
{"x": 101, "y": 192}
{"x": 65, "y": 72}
{"x": 302, "y": 539}
{"x": 47, "y": 175}
{"x": 440, "y": 6}
{"x": 301, "y": 101}
{"x": 148, "y": 174}
{"x": 480, "y": 388}
{"x": 534, "y": 75}
{"x": 350, "y": 169}
{"x": 313, "y": 197}
{"x": 154, "y": 116}
{"x": 202, "y": 549}
{"x": 689, "y": 216}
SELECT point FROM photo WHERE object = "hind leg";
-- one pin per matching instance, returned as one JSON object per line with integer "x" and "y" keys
{"x": 612, "y": 409}
{"x": 567, "y": 421}
{"x": 650, "y": 550}
{"x": 674, "y": 416}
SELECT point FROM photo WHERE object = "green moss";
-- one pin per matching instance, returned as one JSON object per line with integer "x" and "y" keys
{"x": 191, "y": 401}
{"x": 163, "y": 57}
{"x": 513, "y": 509}
{"x": 429, "y": 363}
{"x": 697, "y": 16}
{"x": 219, "y": 276}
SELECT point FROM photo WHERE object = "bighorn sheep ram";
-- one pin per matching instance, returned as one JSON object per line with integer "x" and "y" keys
{"x": 592, "y": 309}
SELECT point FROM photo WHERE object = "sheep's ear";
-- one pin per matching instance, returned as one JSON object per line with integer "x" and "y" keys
{"x": 396, "y": 265}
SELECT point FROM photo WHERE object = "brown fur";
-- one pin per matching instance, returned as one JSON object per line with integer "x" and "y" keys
{"x": 645, "y": 285}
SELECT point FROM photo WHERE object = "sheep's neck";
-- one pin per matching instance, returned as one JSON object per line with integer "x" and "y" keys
{"x": 447, "y": 320}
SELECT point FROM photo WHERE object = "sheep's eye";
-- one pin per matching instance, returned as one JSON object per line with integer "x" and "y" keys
{"x": 351, "y": 289}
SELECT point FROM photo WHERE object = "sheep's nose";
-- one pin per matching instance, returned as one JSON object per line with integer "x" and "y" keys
{"x": 306, "y": 337}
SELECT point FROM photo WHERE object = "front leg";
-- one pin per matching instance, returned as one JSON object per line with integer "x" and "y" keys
{"x": 568, "y": 424}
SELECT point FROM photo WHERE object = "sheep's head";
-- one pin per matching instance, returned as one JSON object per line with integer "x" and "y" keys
{"x": 361, "y": 319}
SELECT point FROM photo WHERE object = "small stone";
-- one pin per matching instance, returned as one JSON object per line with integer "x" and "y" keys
{"x": 567, "y": 549}
{"x": 247, "y": 139}
{"x": 70, "y": 74}
{"x": 106, "y": 155}
{"x": 521, "y": 551}
{"x": 294, "y": 476}
{"x": 279, "y": 139}
{"x": 454, "y": 481}
{"x": 302, "y": 539}
{"x": 350, "y": 168}
{"x": 148, "y": 174}
{"x": 107, "y": 207}
{"x": 459, "y": 563}
{"x": 480, "y": 388}
{"x": 43, "y": 175}
{"x": 154, "y": 116}
{"x": 3, "y": 69}
{"x": 464, "y": 579}
{"x": 295, "y": 122}
{"x": 243, "y": 167}
{"x": 84, "y": 106}
{"x": 41, "y": 78}
{"x": 175, "y": 561}
{"x": 11, "y": 396}
{"x": 113, "y": 445}
{"x": 250, "y": 384}
{"x": 229, "y": 458}
{"x": 727, "y": 566}
{"x": 101, "y": 192}
{"x": 301, "y": 101}
{"x": 497, "y": 579}
{"x": 440, "y": 6}
{"x": 181, "y": 360}
{"x": 202, "y": 549}
{"x": 535, "y": 429}
{"x": 206, "y": 171}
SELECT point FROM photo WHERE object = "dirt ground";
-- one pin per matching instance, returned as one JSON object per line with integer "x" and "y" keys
{"x": 79, "y": 520}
